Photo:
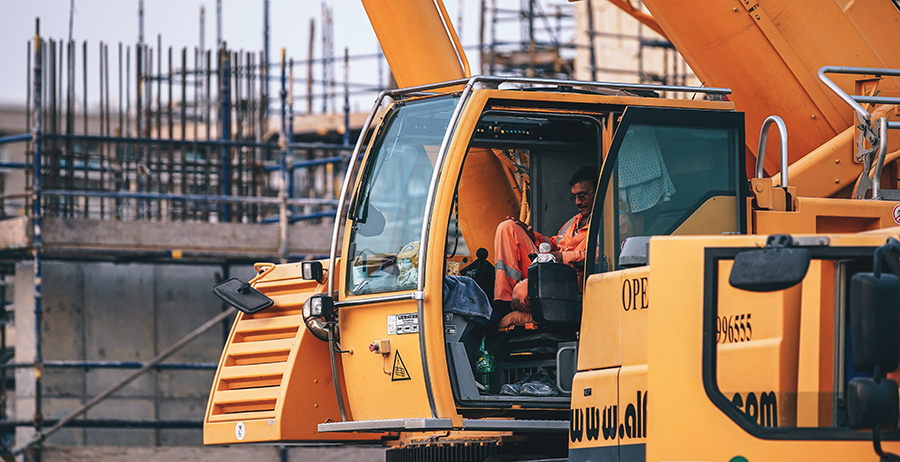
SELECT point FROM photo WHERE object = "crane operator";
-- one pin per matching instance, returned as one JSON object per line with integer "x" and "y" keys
{"x": 515, "y": 241}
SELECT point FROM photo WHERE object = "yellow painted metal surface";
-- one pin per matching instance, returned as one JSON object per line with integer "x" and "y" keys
{"x": 374, "y": 390}
{"x": 483, "y": 201}
{"x": 768, "y": 53}
{"x": 675, "y": 358}
{"x": 754, "y": 329}
{"x": 419, "y": 44}
{"x": 822, "y": 216}
{"x": 717, "y": 215}
{"x": 815, "y": 362}
{"x": 614, "y": 319}
{"x": 595, "y": 401}
{"x": 274, "y": 378}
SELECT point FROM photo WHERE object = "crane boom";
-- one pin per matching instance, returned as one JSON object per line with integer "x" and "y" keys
{"x": 427, "y": 53}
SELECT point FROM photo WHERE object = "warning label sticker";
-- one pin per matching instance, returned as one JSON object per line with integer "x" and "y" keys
{"x": 399, "y": 370}
{"x": 406, "y": 323}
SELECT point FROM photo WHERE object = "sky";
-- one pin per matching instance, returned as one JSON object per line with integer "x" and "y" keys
{"x": 114, "y": 21}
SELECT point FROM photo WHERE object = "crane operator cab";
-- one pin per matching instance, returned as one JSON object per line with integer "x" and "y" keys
{"x": 409, "y": 318}
{"x": 666, "y": 170}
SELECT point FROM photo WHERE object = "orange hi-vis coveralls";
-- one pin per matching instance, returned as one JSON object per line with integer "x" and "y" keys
{"x": 512, "y": 247}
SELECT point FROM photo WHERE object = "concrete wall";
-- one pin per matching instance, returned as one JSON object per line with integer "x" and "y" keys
{"x": 118, "y": 312}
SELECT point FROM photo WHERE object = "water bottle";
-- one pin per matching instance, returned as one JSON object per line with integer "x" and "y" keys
{"x": 544, "y": 255}
{"x": 484, "y": 366}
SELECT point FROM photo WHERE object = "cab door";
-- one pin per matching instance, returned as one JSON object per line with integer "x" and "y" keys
{"x": 667, "y": 172}
{"x": 377, "y": 297}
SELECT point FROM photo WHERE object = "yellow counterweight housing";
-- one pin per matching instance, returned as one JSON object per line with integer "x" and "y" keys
{"x": 274, "y": 378}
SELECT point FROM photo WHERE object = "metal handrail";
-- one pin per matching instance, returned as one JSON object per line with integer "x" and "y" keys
{"x": 874, "y": 133}
{"x": 761, "y": 151}
{"x": 558, "y": 82}
{"x": 854, "y": 101}
{"x": 882, "y": 153}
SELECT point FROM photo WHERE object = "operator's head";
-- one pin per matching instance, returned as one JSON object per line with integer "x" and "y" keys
{"x": 584, "y": 186}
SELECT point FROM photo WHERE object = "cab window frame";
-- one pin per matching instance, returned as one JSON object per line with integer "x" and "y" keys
{"x": 670, "y": 117}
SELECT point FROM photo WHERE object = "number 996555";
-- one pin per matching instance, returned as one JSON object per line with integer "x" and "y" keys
{"x": 733, "y": 328}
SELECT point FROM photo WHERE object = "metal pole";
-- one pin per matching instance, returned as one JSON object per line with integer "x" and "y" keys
{"x": 309, "y": 67}
{"x": 532, "y": 51}
{"x": 141, "y": 22}
{"x": 590, "y": 15}
{"x": 225, "y": 158}
{"x": 290, "y": 132}
{"x": 38, "y": 243}
{"x": 202, "y": 29}
{"x": 266, "y": 46}
{"x": 219, "y": 42}
{"x": 347, "y": 96}
{"x": 481, "y": 53}
{"x": 282, "y": 190}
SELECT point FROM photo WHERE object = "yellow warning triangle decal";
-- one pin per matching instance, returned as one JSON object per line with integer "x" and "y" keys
{"x": 399, "y": 372}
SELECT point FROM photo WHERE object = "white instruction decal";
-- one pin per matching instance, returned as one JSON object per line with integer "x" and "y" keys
{"x": 406, "y": 323}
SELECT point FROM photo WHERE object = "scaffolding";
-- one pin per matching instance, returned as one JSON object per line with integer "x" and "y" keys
{"x": 548, "y": 44}
{"x": 187, "y": 140}
{"x": 540, "y": 51}
{"x": 185, "y": 136}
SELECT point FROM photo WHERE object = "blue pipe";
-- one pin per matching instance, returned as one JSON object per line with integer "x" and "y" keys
{"x": 311, "y": 216}
{"x": 16, "y": 138}
{"x": 190, "y": 197}
{"x": 15, "y": 165}
{"x": 143, "y": 140}
{"x": 307, "y": 163}
{"x": 127, "y": 365}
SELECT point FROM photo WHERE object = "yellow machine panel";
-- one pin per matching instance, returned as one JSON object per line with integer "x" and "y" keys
{"x": 274, "y": 380}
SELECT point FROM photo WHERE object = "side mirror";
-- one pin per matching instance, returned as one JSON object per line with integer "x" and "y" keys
{"x": 240, "y": 295}
{"x": 872, "y": 402}
{"x": 875, "y": 321}
{"x": 775, "y": 267}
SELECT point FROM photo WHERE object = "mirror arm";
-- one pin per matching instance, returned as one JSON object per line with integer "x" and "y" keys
{"x": 876, "y": 442}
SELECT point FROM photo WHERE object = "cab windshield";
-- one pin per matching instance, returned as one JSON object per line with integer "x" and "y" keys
{"x": 388, "y": 211}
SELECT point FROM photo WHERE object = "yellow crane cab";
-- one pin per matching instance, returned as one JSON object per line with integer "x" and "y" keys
{"x": 444, "y": 166}
{"x": 396, "y": 337}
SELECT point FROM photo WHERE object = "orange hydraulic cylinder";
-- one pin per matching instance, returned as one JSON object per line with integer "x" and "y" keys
{"x": 418, "y": 41}
{"x": 768, "y": 53}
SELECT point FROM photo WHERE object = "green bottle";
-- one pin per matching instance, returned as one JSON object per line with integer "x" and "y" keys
{"x": 484, "y": 366}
